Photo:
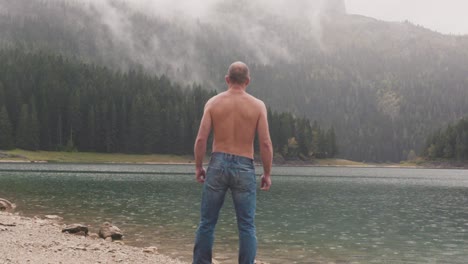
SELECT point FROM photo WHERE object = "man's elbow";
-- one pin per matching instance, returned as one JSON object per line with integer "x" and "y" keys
{"x": 200, "y": 141}
{"x": 266, "y": 145}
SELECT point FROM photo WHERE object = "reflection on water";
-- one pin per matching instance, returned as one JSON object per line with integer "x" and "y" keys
{"x": 311, "y": 214}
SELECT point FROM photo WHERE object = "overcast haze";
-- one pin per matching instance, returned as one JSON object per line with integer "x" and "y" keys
{"x": 445, "y": 16}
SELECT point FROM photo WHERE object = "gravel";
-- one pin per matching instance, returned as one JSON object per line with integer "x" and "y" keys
{"x": 34, "y": 240}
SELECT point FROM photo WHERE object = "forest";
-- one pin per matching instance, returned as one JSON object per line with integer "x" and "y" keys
{"x": 384, "y": 87}
{"x": 449, "y": 143}
{"x": 48, "y": 102}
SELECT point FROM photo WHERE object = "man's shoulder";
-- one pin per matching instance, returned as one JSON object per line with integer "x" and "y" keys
{"x": 214, "y": 98}
{"x": 219, "y": 98}
{"x": 259, "y": 102}
{"x": 253, "y": 98}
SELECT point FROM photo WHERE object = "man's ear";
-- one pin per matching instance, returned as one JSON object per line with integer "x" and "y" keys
{"x": 247, "y": 82}
{"x": 227, "y": 79}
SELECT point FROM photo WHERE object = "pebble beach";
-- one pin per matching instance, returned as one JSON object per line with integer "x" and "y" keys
{"x": 37, "y": 240}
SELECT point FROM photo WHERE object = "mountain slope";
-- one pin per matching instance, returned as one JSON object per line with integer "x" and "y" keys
{"x": 383, "y": 86}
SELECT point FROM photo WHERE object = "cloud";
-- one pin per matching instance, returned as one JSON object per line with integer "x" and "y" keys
{"x": 252, "y": 29}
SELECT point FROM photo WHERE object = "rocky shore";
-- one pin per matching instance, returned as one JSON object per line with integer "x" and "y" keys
{"x": 35, "y": 240}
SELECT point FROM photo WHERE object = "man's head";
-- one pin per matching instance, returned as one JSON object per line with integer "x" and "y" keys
{"x": 238, "y": 74}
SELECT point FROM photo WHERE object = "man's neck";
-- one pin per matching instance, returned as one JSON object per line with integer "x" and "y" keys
{"x": 237, "y": 88}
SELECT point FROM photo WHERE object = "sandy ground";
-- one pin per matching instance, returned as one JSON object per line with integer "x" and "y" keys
{"x": 31, "y": 240}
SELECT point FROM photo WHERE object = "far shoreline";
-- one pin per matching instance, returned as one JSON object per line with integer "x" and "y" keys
{"x": 18, "y": 156}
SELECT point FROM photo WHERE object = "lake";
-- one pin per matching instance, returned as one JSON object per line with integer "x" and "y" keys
{"x": 311, "y": 214}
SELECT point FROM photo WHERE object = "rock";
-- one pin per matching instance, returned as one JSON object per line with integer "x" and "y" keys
{"x": 53, "y": 217}
{"x": 151, "y": 250}
{"x": 93, "y": 235}
{"x": 109, "y": 230}
{"x": 6, "y": 205}
{"x": 79, "y": 248}
{"x": 76, "y": 229}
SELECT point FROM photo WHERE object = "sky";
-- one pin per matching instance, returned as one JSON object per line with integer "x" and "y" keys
{"x": 444, "y": 16}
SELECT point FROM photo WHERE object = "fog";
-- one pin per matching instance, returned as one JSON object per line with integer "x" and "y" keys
{"x": 448, "y": 16}
{"x": 445, "y": 16}
{"x": 194, "y": 8}
{"x": 246, "y": 20}
{"x": 256, "y": 29}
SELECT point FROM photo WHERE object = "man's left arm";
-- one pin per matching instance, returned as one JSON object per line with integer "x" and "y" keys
{"x": 200, "y": 144}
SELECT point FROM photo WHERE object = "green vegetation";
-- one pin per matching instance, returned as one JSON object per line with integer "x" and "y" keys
{"x": 62, "y": 104}
{"x": 451, "y": 143}
{"x": 6, "y": 131}
{"x": 297, "y": 138}
{"x": 338, "y": 162}
{"x": 383, "y": 87}
{"x": 92, "y": 157}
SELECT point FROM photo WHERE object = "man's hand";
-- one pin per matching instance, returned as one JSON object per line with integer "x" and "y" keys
{"x": 200, "y": 174}
{"x": 266, "y": 183}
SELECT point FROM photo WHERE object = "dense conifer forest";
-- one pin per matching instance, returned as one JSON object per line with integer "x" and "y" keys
{"x": 48, "y": 102}
{"x": 384, "y": 87}
{"x": 449, "y": 143}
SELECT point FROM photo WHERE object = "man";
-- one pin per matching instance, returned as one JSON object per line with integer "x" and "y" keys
{"x": 235, "y": 117}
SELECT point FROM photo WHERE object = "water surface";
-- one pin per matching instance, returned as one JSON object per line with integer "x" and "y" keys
{"x": 311, "y": 215}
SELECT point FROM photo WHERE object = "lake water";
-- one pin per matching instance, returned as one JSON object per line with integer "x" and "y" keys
{"x": 311, "y": 214}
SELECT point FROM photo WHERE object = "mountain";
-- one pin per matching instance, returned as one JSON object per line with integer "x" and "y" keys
{"x": 383, "y": 86}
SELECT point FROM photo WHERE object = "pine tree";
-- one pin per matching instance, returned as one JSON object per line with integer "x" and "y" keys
{"x": 91, "y": 130}
{"x": 152, "y": 133}
{"x": 74, "y": 116}
{"x": 6, "y": 132}
{"x": 34, "y": 130}
{"x": 45, "y": 138}
{"x": 59, "y": 132}
{"x": 22, "y": 130}
{"x": 134, "y": 140}
{"x": 331, "y": 143}
{"x": 111, "y": 130}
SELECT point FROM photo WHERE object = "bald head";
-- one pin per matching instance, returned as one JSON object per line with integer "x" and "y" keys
{"x": 238, "y": 73}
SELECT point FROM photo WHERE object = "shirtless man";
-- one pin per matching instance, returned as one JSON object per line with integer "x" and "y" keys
{"x": 235, "y": 117}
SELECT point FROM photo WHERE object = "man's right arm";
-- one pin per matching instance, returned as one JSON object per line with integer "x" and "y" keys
{"x": 266, "y": 148}
{"x": 200, "y": 144}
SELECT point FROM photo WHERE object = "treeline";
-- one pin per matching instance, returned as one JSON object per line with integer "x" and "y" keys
{"x": 298, "y": 138}
{"x": 384, "y": 87}
{"x": 49, "y": 102}
{"x": 450, "y": 143}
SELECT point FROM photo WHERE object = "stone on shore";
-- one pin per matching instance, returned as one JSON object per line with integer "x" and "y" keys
{"x": 41, "y": 241}
{"x": 108, "y": 230}
{"x": 76, "y": 229}
{"x": 53, "y": 217}
{"x": 6, "y": 205}
{"x": 151, "y": 250}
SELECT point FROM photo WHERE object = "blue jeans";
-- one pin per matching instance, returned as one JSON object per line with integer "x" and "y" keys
{"x": 227, "y": 171}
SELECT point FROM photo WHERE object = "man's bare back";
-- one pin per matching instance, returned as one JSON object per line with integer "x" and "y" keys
{"x": 234, "y": 116}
